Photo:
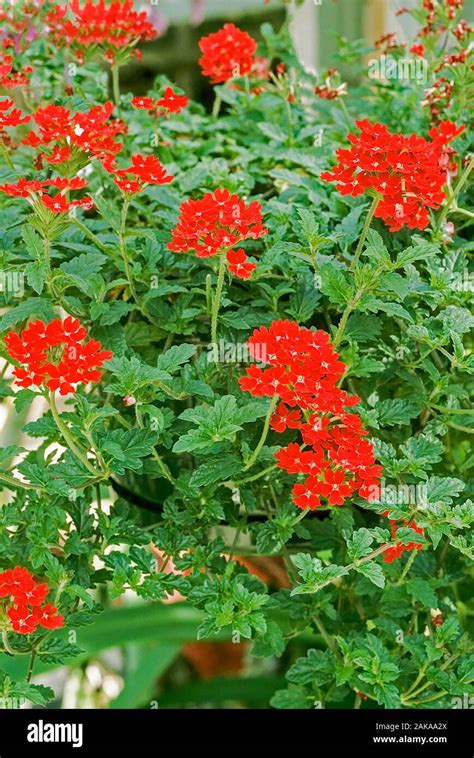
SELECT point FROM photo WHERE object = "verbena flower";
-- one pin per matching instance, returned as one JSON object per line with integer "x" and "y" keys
{"x": 144, "y": 170}
{"x": 36, "y": 191}
{"x": 65, "y": 138}
{"x": 227, "y": 53}
{"x": 216, "y": 224}
{"x": 303, "y": 372}
{"x": 108, "y": 28}
{"x": 26, "y": 611}
{"x": 408, "y": 173}
{"x": 57, "y": 355}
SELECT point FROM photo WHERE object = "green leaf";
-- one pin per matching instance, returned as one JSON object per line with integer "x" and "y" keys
{"x": 372, "y": 571}
{"x": 335, "y": 284}
{"x": 293, "y": 697}
{"x": 397, "y": 411}
{"x": 360, "y": 544}
{"x": 36, "y": 274}
{"x": 316, "y": 668}
{"x": 33, "y": 242}
{"x": 33, "y": 306}
{"x": 421, "y": 590}
{"x": 175, "y": 357}
{"x": 220, "y": 470}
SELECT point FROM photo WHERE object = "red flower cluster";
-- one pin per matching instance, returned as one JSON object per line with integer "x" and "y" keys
{"x": 10, "y": 78}
{"x": 144, "y": 170}
{"x": 56, "y": 355}
{"x": 171, "y": 102}
{"x": 216, "y": 224}
{"x": 26, "y": 611}
{"x": 9, "y": 115}
{"x": 111, "y": 28}
{"x": 408, "y": 173}
{"x": 76, "y": 137}
{"x": 227, "y": 53}
{"x": 304, "y": 372}
{"x": 392, "y": 553}
{"x": 58, "y": 203}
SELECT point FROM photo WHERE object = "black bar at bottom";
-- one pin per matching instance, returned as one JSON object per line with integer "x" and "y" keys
{"x": 325, "y": 733}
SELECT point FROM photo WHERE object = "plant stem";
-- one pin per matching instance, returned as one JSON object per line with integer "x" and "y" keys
{"x": 216, "y": 305}
{"x": 116, "y": 84}
{"x": 164, "y": 468}
{"x": 407, "y": 567}
{"x": 123, "y": 249}
{"x": 88, "y": 233}
{"x": 31, "y": 666}
{"x": 365, "y": 230}
{"x": 6, "y": 644}
{"x": 6, "y": 155}
{"x": 17, "y": 483}
{"x": 462, "y": 181}
{"x": 255, "y": 476}
{"x": 323, "y": 632}
{"x": 263, "y": 437}
{"x": 67, "y": 435}
{"x": 217, "y": 106}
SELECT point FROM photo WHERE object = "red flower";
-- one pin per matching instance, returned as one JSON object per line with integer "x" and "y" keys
{"x": 334, "y": 486}
{"x": 172, "y": 101}
{"x": 10, "y": 78}
{"x": 9, "y": 115}
{"x": 304, "y": 371}
{"x": 239, "y": 265}
{"x": 113, "y": 28}
{"x": 145, "y": 170}
{"x": 49, "y": 617}
{"x": 215, "y": 224}
{"x": 306, "y": 495}
{"x": 26, "y": 596}
{"x": 418, "y": 49}
{"x": 23, "y": 621}
{"x": 76, "y": 137}
{"x": 227, "y": 53}
{"x": 56, "y": 355}
{"x": 59, "y": 202}
{"x": 143, "y": 103}
{"x": 283, "y": 418}
{"x": 408, "y": 173}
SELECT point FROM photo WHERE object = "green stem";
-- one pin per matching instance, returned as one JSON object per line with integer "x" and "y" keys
{"x": 164, "y": 468}
{"x": 460, "y": 411}
{"x": 123, "y": 249}
{"x": 6, "y": 155}
{"x": 16, "y": 483}
{"x": 365, "y": 230}
{"x": 116, "y": 84}
{"x": 216, "y": 305}
{"x": 6, "y": 644}
{"x": 407, "y": 567}
{"x": 31, "y": 664}
{"x": 462, "y": 181}
{"x": 88, "y": 233}
{"x": 217, "y": 106}
{"x": 255, "y": 476}
{"x": 67, "y": 435}
{"x": 263, "y": 437}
